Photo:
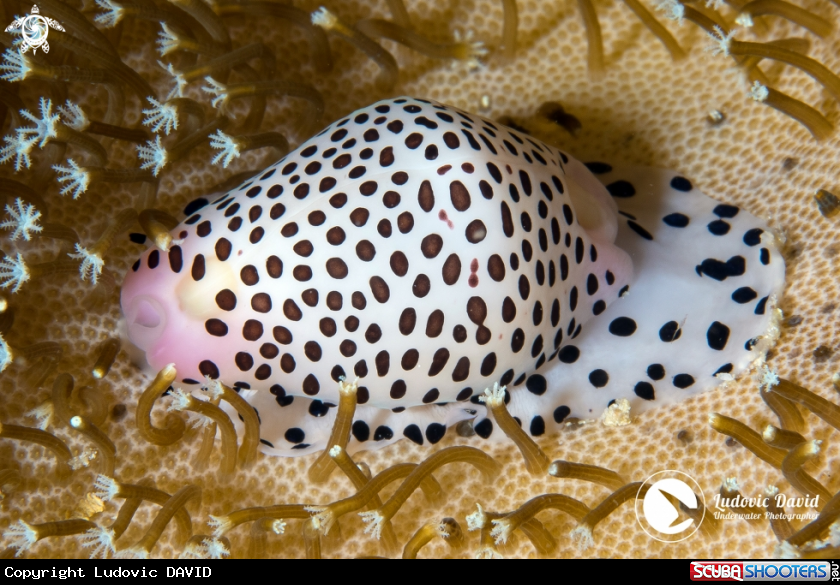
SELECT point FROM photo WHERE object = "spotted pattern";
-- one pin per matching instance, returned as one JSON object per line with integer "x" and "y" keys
{"x": 431, "y": 253}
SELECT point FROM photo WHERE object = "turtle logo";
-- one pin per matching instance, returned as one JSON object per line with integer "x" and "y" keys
{"x": 34, "y": 29}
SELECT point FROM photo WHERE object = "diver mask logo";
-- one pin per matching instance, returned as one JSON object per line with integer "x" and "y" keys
{"x": 34, "y": 29}
{"x": 667, "y": 506}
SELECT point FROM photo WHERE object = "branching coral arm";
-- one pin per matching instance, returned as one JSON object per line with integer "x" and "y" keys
{"x": 815, "y": 69}
{"x": 208, "y": 19}
{"x": 321, "y": 468}
{"x": 817, "y": 124}
{"x": 814, "y": 529}
{"x": 582, "y": 535}
{"x": 504, "y": 526}
{"x": 107, "y": 489}
{"x": 461, "y": 51}
{"x": 236, "y": 57}
{"x": 127, "y": 511}
{"x": 389, "y": 70}
{"x": 352, "y": 471}
{"x": 828, "y": 411}
{"x": 399, "y": 13}
{"x": 80, "y": 25}
{"x": 754, "y": 442}
{"x": 483, "y": 462}
{"x": 177, "y": 502}
{"x": 781, "y": 438}
{"x": 802, "y": 482}
{"x": 448, "y": 529}
{"x": 93, "y": 258}
{"x": 779, "y": 522}
{"x": 224, "y": 94}
{"x": 107, "y": 355}
{"x": 808, "y": 20}
{"x": 105, "y": 446}
{"x": 593, "y": 473}
{"x": 789, "y": 416}
{"x": 223, "y": 524}
{"x": 22, "y": 535}
{"x": 45, "y": 439}
{"x": 232, "y": 147}
{"x": 536, "y": 462}
{"x": 251, "y": 438}
{"x": 539, "y": 536}
{"x": 665, "y": 37}
{"x": 509, "y": 28}
{"x": 184, "y": 401}
{"x": 329, "y": 514}
{"x": 176, "y": 425}
{"x": 318, "y": 43}
{"x": 594, "y": 43}
{"x": 79, "y": 178}
{"x": 748, "y": 438}
{"x": 17, "y": 190}
{"x": 259, "y": 535}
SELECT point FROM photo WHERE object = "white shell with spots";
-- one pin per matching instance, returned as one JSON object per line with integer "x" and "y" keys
{"x": 455, "y": 247}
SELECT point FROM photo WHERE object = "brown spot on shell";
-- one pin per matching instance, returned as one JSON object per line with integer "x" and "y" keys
{"x": 282, "y": 335}
{"x": 462, "y": 370}
{"x": 380, "y": 289}
{"x": 383, "y": 363}
{"x": 477, "y": 310}
{"x": 476, "y": 231}
{"x": 226, "y": 300}
{"x": 496, "y": 268}
{"x": 223, "y": 249}
{"x": 459, "y": 195}
{"x": 291, "y": 310}
{"x": 310, "y": 297}
{"x": 426, "y": 196}
{"x": 327, "y": 326}
{"x": 249, "y": 275}
{"x": 359, "y": 216}
{"x": 304, "y": 248}
{"x": 336, "y": 236}
{"x": 430, "y": 245}
{"x": 302, "y": 272}
{"x": 421, "y": 287}
{"x": 408, "y": 319}
{"x": 398, "y": 389}
{"x": 312, "y": 351}
{"x": 198, "y": 267}
{"x": 508, "y": 310}
{"x": 386, "y": 157}
{"x": 334, "y": 300}
{"x": 439, "y": 361}
{"x": 287, "y": 363}
{"x": 261, "y": 303}
{"x": 399, "y": 263}
{"x": 252, "y": 330}
{"x": 176, "y": 258}
{"x": 434, "y": 324}
{"x": 274, "y": 267}
{"x": 405, "y": 222}
{"x": 216, "y": 327}
{"x": 451, "y": 269}
{"x": 365, "y": 250}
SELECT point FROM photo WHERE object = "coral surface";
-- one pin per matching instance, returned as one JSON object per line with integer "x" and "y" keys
{"x": 645, "y": 110}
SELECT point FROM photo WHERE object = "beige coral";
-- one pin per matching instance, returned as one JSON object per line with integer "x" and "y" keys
{"x": 646, "y": 110}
